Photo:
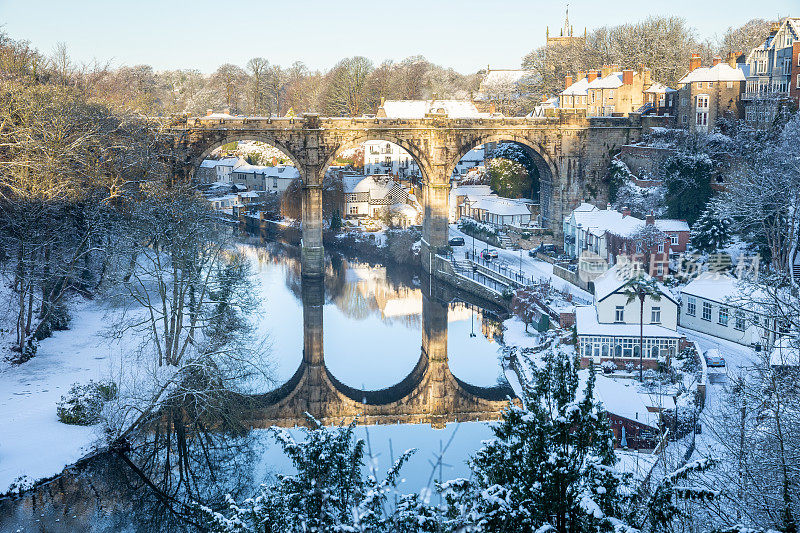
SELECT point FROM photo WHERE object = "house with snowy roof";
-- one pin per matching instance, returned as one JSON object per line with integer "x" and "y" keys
{"x": 723, "y": 306}
{"x": 374, "y": 195}
{"x": 212, "y": 170}
{"x": 498, "y": 211}
{"x": 612, "y": 92}
{"x": 611, "y": 234}
{"x": 633, "y": 424}
{"x": 609, "y": 330}
{"x": 262, "y": 178}
{"x": 708, "y": 94}
{"x": 773, "y": 77}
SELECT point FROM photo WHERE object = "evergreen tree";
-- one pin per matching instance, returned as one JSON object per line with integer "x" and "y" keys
{"x": 551, "y": 464}
{"x": 688, "y": 181}
{"x": 711, "y": 232}
{"x": 336, "y": 220}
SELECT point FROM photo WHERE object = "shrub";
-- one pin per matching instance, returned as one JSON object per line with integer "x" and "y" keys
{"x": 83, "y": 404}
{"x": 608, "y": 367}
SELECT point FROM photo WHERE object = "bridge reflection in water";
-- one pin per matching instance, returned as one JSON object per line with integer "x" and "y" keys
{"x": 429, "y": 394}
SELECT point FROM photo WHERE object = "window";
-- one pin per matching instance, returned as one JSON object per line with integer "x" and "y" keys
{"x": 691, "y": 306}
{"x": 723, "y": 316}
{"x": 710, "y": 84}
{"x": 619, "y": 314}
{"x": 661, "y": 248}
{"x": 702, "y": 101}
{"x": 739, "y": 321}
{"x": 706, "y": 311}
{"x": 673, "y": 239}
{"x": 702, "y": 119}
{"x": 660, "y": 270}
{"x": 729, "y": 85}
{"x": 354, "y": 210}
{"x": 798, "y": 78}
{"x": 655, "y": 315}
{"x": 685, "y": 119}
{"x": 274, "y": 183}
{"x": 787, "y": 66}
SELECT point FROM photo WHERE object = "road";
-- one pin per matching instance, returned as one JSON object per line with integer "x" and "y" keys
{"x": 531, "y": 267}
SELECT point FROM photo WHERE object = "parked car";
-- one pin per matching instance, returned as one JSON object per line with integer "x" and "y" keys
{"x": 544, "y": 248}
{"x": 713, "y": 358}
{"x": 488, "y": 254}
{"x": 456, "y": 241}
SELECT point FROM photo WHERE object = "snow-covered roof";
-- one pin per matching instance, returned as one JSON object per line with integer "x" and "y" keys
{"x": 577, "y": 88}
{"x": 612, "y": 81}
{"x": 719, "y": 72}
{"x": 586, "y": 323}
{"x": 785, "y": 352}
{"x": 472, "y": 190}
{"x": 659, "y": 88}
{"x": 501, "y": 206}
{"x": 415, "y": 109}
{"x": 722, "y": 288}
{"x": 225, "y": 161}
{"x": 613, "y": 279}
{"x": 377, "y": 185}
{"x": 280, "y": 171}
{"x": 503, "y": 77}
{"x": 620, "y": 397}
{"x": 216, "y": 116}
{"x": 671, "y": 224}
{"x": 248, "y": 194}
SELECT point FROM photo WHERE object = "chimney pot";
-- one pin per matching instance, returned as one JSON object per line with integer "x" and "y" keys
{"x": 608, "y": 206}
{"x": 567, "y": 81}
{"x": 716, "y": 61}
{"x": 592, "y": 76}
{"x": 626, "y": 211}
{"x": 650, "y": 220}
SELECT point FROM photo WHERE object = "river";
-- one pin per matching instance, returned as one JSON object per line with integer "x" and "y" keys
{"x": 416, "y": 363}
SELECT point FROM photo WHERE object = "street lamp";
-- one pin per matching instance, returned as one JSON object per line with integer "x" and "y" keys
{"x": 675, "y": 425}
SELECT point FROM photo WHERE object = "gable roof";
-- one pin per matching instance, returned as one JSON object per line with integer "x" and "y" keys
{"x": 719, "y": 72}
{"x": 613, "y": 280}
{"x": 612, "y": 81}
{"x": 659, "y": 88}
{"x": 578, "y": 88}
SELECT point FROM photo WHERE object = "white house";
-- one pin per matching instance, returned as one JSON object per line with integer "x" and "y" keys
{"x": 497, "y": 211}
{"x": 461, "y": 196}
{"x": 609, "y": 329}
{"x": 212, "y": 170}
{"x": 382, "y": 157}
{"x": 722, "y": 306}
{"x": 371, "y": 195}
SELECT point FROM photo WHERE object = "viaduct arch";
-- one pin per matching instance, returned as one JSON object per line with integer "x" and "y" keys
{"x": 572, "y": 153}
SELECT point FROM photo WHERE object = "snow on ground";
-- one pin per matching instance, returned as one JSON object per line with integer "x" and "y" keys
{"x": 514, "y": 334}
{"x": 531, "y": 266}
{"x": 33, "y": 442}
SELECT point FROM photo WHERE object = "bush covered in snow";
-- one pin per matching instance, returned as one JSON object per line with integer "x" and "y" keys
{"x": 83, "y": 404}
{"x": 608, "y": 367}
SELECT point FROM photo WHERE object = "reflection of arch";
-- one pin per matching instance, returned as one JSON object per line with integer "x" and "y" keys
{"x": 244, "y": 136}
{"x": 413, "y": 150}
{"x": 392, "y": 394}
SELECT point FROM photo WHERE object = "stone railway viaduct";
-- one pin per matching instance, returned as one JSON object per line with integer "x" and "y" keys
{"x": 571, "y": 153}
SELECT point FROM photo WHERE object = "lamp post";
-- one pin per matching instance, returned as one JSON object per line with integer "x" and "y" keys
{"x": 675, "y": 425}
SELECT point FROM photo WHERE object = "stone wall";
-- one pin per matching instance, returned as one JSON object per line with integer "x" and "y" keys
{"x": 645, "y": 161}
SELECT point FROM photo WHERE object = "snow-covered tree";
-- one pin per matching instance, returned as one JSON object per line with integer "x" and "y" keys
{"x": 712, "y": 231}
{"x": 550, "y": 466}
{"x": 330, "y": 491}
{"x": 640, "y": 287}
{"x": 688, "y": 182}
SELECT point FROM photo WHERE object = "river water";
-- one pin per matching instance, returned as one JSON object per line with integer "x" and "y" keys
{"x": 415, "y": 362}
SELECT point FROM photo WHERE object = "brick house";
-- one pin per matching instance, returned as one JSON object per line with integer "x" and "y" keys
{"x": 707, "y": 94}
{"x": 612, "y": 92}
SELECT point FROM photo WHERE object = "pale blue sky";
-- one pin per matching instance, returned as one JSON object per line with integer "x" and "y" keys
{"x": 465, "y": 34}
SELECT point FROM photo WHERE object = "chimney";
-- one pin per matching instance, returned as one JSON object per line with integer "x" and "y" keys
{"x": 580, "y": 75}
{"x": 383, "y": 101}
{"x": 774, "y": 29}
{"x": 694, "y": 62}
{"x": 716, "y": 61}
{"x": 209, "y": 112}
{"x": 650, "y": 220}
{"x": 567, "y": 81}
{"x": 731, "y": 59}
{"x": 626, "y": 211}
{"x": 606, "y": 70}
{"x": 627, "y": 77}
{"x": 646, "y": 77}
{"x": 608, "y": 206}
{"x": 592, "y": 76}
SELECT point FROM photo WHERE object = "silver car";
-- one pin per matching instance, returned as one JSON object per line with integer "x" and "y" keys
{"x": 713, "y": 358}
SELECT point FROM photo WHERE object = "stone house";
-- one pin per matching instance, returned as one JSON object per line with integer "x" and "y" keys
{"x": 218, "y": 170}
{"x": 609, "y": 329}
{"x": 612, "y": 92}
{"x": 773, "y": 73}
{"x": 260, "y": 178}
{"x": 707, "y": 94}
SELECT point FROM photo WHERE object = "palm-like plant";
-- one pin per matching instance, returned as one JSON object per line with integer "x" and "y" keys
{"x": 640, "y": 287}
